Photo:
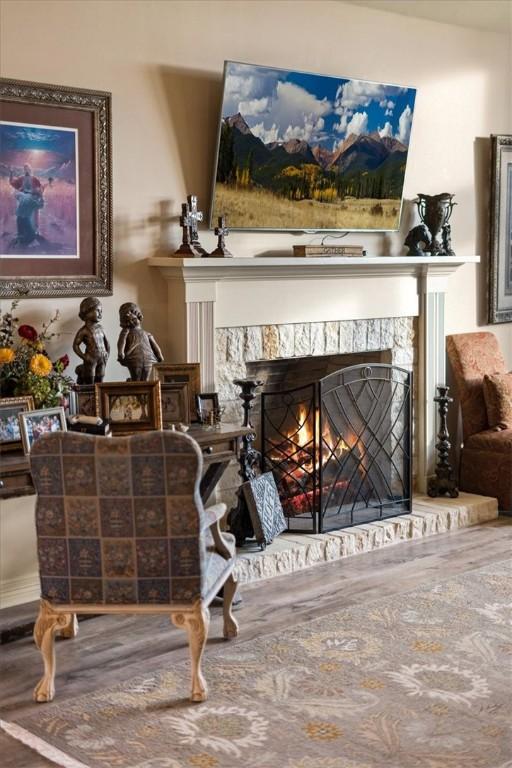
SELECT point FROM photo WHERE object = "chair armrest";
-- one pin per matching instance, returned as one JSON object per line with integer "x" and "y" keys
{"x": 212, "y": 515}
{"x": 211, "y": 519}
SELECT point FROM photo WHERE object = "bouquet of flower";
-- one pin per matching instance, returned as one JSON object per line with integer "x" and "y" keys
{"x": 25, "y": 367}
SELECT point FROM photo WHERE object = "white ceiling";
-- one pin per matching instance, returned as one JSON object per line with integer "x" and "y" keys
{"x": 490, "y": 15}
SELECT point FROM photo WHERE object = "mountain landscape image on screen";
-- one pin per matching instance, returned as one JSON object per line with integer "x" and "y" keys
{"x": 303, "y": 151}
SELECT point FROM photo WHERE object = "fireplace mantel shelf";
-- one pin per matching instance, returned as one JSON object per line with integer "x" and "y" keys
{"x": 282, "y": 267}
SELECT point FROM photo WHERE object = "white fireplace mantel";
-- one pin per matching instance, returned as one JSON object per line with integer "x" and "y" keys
{"x": 212, "y": 270}
{"x": 210, "y": 293}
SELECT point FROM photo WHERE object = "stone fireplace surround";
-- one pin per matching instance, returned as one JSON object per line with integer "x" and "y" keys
{"x": 226, "y": 312}
{"x": 235, "y": 347}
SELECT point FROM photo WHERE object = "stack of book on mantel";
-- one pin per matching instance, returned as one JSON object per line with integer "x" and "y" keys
{"x": 328, "y": 250}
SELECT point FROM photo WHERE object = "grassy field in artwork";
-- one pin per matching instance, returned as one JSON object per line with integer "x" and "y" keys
{"x": 253, "y": 208}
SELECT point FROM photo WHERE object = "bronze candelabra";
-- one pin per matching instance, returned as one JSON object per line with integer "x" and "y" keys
{"x": 239, "y": 519}
{"x": 443, "y": 483}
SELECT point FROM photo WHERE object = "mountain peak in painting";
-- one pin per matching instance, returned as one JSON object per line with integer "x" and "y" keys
{"x": 299, "y": 151}
{"x": 238, "y": 122}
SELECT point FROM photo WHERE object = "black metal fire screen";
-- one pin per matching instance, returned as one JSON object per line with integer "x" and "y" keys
{"x": 341, "y": 448}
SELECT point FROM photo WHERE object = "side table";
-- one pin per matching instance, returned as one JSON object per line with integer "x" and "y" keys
{"x": 220, "y": 445}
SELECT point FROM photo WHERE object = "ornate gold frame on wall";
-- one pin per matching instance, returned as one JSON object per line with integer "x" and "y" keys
{"x": 92, "y": 112}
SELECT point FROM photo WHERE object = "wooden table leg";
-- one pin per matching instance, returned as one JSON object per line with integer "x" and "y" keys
{"x": 210, "y": 479}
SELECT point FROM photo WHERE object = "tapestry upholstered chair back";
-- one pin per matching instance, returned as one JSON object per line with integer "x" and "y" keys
{"x": 121, "y": 526}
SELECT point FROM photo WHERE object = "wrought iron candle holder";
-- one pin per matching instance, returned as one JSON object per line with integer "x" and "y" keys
{"x": 239, "y": 519}
{"x": 443, "y": 483}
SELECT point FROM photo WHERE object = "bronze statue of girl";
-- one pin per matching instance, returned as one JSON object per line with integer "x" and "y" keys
{"x": 136, "y": 348}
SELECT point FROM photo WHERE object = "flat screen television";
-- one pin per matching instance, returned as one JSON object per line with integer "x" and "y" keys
{"x": 299, "y": 151}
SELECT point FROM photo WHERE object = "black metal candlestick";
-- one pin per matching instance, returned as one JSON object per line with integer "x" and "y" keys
{"x": 443, "y": 483}
{"x": 239, "y": 519}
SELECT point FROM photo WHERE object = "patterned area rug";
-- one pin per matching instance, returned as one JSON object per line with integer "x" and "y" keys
{"x": 420, "y": 680}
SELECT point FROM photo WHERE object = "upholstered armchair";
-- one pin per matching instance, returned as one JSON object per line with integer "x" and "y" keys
{"x": 121, "y": 529}
{"x": 486, "y": 456}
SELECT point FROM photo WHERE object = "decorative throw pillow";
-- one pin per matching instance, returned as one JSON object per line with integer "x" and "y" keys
{"x": 498, "y": 399}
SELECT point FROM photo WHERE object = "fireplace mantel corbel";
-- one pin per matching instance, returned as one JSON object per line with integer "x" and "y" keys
{"x": 206, "y": 294}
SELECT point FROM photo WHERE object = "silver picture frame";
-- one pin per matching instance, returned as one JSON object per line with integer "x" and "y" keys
{"x": 500, "y": 231}
{"x": 33, "y": 424}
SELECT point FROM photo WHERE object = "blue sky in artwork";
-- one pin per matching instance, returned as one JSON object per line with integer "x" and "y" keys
{"x": 18, "y": 137}
{"x": 279, "y": 105}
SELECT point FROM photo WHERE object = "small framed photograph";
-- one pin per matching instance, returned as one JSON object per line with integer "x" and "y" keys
{"x": 33, "y": 424}
{"x": 177, "y": 373}
{"x": 130, "y": 406}
{"x": 83, "y": 400}
{"x": 207, "y": 407}
{"x": 10, "y": 408}
{"x": 175, "y": 403}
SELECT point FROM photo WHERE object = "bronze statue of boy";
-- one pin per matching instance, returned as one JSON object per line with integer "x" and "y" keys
{"x": 92, "y": 336}
{"x": 136, "y": 348}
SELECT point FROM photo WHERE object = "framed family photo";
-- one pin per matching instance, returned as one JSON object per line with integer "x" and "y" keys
{"x": 83, "y": 400}
{"x": 207, "y": 407}
{"x": 55, "y": 191}
{"x": 500, "y": 241}
{"x": 179, "y": 373}
{"x": 33, "y": 424}
{"x": 10, "y": 408}
{"x": 175, "y": 403}
{"x": 130, "y": 406}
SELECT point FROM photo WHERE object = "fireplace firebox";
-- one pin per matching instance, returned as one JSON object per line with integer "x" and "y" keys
{"x": 340, "y": 448}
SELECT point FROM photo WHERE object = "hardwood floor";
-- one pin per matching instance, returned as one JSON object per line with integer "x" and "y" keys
{"x": 110, "y": 649}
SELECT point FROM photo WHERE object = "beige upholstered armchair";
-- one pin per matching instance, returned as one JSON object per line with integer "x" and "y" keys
{"x": 121, "y": 529}
{"x": 486, "y": 456}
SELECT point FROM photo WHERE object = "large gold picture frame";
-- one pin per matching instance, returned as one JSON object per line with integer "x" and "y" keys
{"x": 36, "y": 108}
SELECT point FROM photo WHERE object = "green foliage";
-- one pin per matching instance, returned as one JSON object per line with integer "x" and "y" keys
{"x": 226, "y": 160}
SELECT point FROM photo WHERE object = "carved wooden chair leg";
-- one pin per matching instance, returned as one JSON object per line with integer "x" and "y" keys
{"x": 230, "y": 623}
{"x": 48, "y": 623}
{"x": 71, "y": 630}
{"x": 196, "y": 624}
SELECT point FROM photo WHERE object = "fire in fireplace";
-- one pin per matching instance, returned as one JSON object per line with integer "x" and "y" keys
{"x": 340, "y": 448}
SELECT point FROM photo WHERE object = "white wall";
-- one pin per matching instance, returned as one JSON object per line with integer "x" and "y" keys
{"x": 162, "y": 60}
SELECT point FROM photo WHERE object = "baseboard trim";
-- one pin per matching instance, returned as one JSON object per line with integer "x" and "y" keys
{"x": 18, "y": 591}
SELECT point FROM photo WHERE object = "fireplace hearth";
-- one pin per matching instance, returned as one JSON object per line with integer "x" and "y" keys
{"x": 340, "y": 447}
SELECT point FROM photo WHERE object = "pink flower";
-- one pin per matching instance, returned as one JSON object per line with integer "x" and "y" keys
{"x": 64, "y": 361}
